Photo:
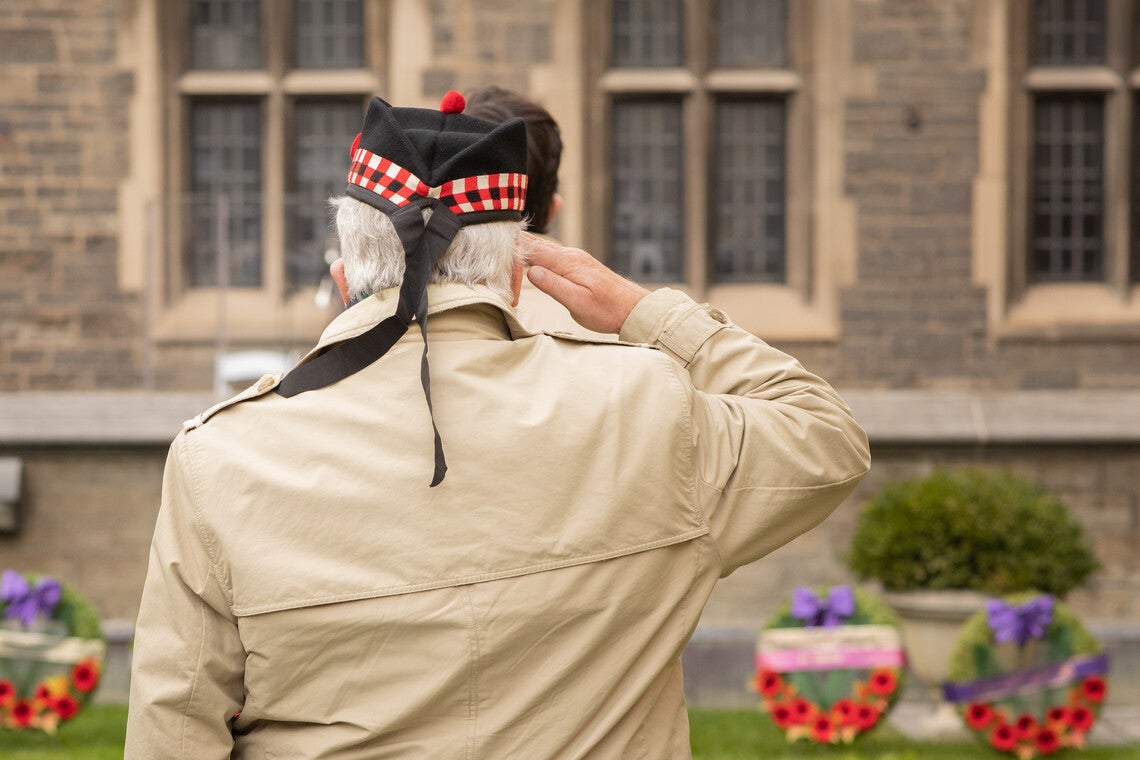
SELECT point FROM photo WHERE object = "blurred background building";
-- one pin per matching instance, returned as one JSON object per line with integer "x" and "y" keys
{"x": 933, "y": 203}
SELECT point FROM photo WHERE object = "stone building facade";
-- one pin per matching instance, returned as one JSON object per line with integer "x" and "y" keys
{"x": 903, "y": 151}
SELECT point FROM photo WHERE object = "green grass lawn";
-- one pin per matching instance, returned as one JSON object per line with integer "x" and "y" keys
{"x": 740, "y": 734}
{"x": 97, "y": 734}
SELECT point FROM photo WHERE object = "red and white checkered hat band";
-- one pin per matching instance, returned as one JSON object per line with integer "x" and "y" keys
{"x": 394, "y": 183}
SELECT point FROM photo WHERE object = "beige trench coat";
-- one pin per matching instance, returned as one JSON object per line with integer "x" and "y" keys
{"x": 308, "y": 595}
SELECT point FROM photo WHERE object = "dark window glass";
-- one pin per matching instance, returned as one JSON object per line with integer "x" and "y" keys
{"x": 324, "y": 132}
{"x": 329, "y": 34}
{"x": 1069, "y": 32}
{"x": 1135, "y": 269}
{"x": 1136, "y": 39}
{"x": 225, "y": 34}
{"x": 748, "y": 192}
{"x": 751, "y": 32}
{"x": 648, "y": 196}
{"x": 648, "y": 33}
{"x": 1068, "y": 188}
{"x": 225, "y": 145}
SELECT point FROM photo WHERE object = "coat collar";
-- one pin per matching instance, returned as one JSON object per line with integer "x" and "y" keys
{"x": 456, "y": 312}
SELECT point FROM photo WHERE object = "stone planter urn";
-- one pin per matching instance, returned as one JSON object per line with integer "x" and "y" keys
{"x": 930, "y": 622}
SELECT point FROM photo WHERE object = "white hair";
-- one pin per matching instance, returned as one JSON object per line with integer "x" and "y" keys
{"x": 480, "y": 254}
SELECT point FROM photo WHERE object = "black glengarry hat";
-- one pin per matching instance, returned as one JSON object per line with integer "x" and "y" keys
{"x": 416, "y": 157}
{"x": 431, "y": 172}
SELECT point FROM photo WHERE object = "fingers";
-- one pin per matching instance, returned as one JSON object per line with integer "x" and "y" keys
{"x": 573, "y": 264}
{"x": 545, "y": 253}
{"x": 597, "y": 297}
{"x": 566, "y": 292}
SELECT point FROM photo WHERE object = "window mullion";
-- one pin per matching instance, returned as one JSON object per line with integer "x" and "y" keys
{"x": 1117, "y": 176}
{"x": 697, "y": 149}
{"x": 273, "y": 199}
{"x": 278, "y": 27}
{"x": 1118, "y": 139}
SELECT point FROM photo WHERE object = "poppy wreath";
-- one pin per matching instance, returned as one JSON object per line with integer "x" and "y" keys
{"x": 829, "y": 664}
{"x": 51, "y": 652}
{"x": 1027, "y": 676}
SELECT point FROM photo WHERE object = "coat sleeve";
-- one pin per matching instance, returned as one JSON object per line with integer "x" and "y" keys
{"x": 776, "y": 449}
{"x": 188, "y": 663}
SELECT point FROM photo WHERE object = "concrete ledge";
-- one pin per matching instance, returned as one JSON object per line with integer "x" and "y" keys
{"x": 1002, "y": 417}
{"x": 99, "y": 418}
{"x": 890, "y": 416}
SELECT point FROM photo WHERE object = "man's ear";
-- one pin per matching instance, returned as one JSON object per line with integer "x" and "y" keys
{"x": 516, "y": 280}
{"x": 336, "y": 269}
{"x": 555, "y": 206}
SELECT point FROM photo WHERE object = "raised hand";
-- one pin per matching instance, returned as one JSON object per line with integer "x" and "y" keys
{"x": 597, "y": 298}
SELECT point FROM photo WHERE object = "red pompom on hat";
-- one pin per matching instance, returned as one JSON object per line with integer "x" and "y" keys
{"x": 355, "y": 145}
{"x": 452, "y": 102}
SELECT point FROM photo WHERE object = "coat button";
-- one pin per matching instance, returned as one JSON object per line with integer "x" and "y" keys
{"x": 719, "y": 316}
{"x": 266, "y": 382}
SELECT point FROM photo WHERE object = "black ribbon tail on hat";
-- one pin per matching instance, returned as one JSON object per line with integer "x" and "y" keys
{"x": 435, "y": 236}
{"x": 424, "y": 243}
{"x": 343, "y": 359}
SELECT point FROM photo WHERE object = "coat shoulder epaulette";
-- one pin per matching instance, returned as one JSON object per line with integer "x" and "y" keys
{"x": 598, "y": 340}
{"x": 260, "y": 388}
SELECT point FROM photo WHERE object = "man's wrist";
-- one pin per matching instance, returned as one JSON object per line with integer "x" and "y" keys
{"x": 673, "y": 322}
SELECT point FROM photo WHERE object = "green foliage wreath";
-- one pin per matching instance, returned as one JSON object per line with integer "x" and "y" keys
{"x": 41, "y": 694}
{"x": 836, "y": 705}
{"x": 1042, "y": 715}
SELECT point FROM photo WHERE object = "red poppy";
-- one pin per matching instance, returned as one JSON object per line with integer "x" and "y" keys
{"x": 1047, "y": 741}
{"x": 1003, "y": 737}
{"x": 85, "y": 675}
{"x": 802, "y": 711}
{"x": 769, "y": 683}
{"x": 1057, "y": 715}
{"x": 979, "y": 715}
{"x": 1093, "y": 689}
{"x": 843, "y": 712}
{"x": 1026, "y": 726}
{"x": 782, "y": 716}
{"x": 866, "y": 717}
{"x": 1081, "y": 718}
{"x": 41, "y": 694}
{"x": 66, "y": 706}
{"x": 23, "y": 712}
{"x": 883, "y": 681}
{"x": 7, "y": 693}
{"x": 822, "y": 729}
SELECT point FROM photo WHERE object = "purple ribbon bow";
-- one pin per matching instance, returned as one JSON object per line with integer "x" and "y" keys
{"x": 1020, "y": 623}
{"x": 808, "y": 607}
{"x": 25, "y": 601}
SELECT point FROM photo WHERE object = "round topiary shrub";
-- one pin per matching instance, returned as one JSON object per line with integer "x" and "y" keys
{"x": 983, "y": 530}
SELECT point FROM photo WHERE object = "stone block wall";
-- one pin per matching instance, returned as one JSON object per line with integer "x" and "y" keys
{"x": 1098, "y": 484}
{"x": 915, "y": 317}
{"x": 484, "y": 43}
{"x": 64, "y": 324}
{"x": 88, "y": 516}
{"x": 89, "y": 513}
